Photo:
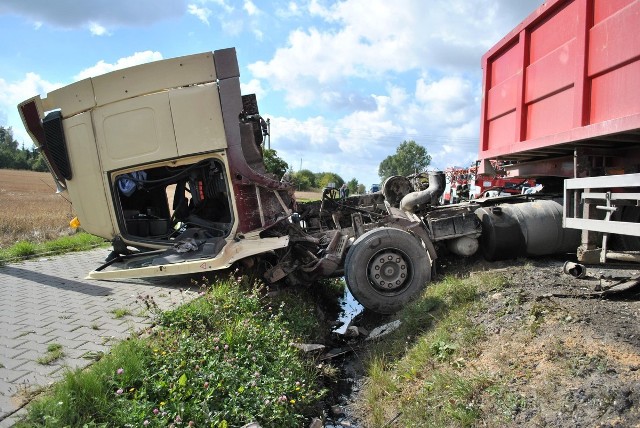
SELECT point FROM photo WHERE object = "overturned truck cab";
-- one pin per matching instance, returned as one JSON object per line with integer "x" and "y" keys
{"x": 165, "y": 161}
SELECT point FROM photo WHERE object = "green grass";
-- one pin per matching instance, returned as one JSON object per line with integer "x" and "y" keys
{"x": 54, "y": 352}
{"x": 24, "y": 249}
{"x": 422, "y": 375}
{"x": 222, "y": 360}
{"x": 120, "y": 312}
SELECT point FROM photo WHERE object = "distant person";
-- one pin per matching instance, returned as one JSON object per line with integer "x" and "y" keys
{"x": 344, "y": 191}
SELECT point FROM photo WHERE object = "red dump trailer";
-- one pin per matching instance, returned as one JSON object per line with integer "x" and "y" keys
{"x": 561, "y": 103}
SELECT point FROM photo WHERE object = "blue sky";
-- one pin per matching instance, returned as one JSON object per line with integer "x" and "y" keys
{"x": 343, "y": 82}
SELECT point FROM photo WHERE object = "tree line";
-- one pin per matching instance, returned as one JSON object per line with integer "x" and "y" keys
{"x": 306, "y": 179}
{"x": 409, "y": 158}
{"x": 16, "y": 156}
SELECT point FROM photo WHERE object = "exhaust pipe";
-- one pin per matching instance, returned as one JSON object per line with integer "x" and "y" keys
{"x": 430, "y": 195}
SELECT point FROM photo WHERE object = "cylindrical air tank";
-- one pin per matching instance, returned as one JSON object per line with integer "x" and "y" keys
{"x": 525, "y": 229}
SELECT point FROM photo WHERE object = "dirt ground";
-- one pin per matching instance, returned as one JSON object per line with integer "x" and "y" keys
{"x": 570, "y": 354}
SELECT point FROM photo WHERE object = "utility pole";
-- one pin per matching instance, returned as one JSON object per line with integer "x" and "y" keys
{"x": 269, "y": 133}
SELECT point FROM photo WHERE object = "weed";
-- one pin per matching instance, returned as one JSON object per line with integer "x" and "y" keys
{"x": 22, "y": 249}
{"x": 54, "y": 352}
{"x": 441, "y": 350}
{"x": 536, "y": 316}
{"x": 95, "y": 326}
{"x": 93, "y": 355}
{"x": 120, "y": 312}
{"x": 507, "y": 402}
{"x": 106, "y": 339}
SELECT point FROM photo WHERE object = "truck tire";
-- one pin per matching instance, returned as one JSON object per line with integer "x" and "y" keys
{"x": 386, "y": 268}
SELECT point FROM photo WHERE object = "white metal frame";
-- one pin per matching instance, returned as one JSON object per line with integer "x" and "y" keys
{"x": 579, "y": 190}
{"x": 607, "y": 195}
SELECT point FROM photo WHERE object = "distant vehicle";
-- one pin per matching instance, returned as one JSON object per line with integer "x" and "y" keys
{"x": 374, "y": 188}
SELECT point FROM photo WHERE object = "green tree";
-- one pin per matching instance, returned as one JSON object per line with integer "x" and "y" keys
{"x": 304, "y": 179}
{"x": 38, "y": 163}
{"x": 274, "y": 164}
{"x": 324, "y": 178}
{"x": 12, "y": 156}
{"x": 361, "y": 189}
{"x": 352, "y": 185}
{"x": 410, "y": 158}
{"x": 6, "y": 139}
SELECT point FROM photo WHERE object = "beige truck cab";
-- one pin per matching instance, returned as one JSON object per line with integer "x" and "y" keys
{"x": 146, "y": 155}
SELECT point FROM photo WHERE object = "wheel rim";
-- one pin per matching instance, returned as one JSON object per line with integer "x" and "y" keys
{"x": 389, "y": 271}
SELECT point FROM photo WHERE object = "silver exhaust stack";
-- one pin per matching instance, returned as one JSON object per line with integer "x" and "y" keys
{"x": 430, "y": 195}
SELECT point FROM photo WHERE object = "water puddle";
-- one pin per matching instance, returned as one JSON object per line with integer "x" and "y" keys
{"x": 350, "y": 309}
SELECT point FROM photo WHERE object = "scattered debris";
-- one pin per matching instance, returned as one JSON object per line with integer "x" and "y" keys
{"x": 336, "y": 352}
{"x": 384, "y": 329}
{"x": 352, "y": 331}
{"x": 316, "y": 423}
{"x": 574, "y": 269}
{"x": 309, "y": 347}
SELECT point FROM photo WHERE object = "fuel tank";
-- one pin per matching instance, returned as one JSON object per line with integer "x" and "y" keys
{"x": 525, "y": 229}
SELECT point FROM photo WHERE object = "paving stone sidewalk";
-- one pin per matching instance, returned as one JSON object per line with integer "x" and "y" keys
{"x": 47, "y": 301}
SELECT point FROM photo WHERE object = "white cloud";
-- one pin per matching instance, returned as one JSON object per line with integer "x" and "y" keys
{"x": 103, "y": 67}
{"x": 222, "y": 4}
{"x": 292, "y": 9}
{"x": 259, "y": 35}
{"x": 13, "y": 93}
{"x": 202, "y": 13}
{"x": 363, "y": 130}
{"x": 232, "y": 27}
{"x": 448, "y": 100}
{"x": 419, "y": 62}
{"x": 294, "y": 135}
{"x": 368, "y": 39}
{"x": 97, "y": 29}
{"x": 251, "y": 8}
{"x": 442, "y": 115}
{"x": 254, "y": 86}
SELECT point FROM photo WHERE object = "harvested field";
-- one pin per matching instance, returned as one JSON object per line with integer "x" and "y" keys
{"x": 311, "y": 195}
{"x": 30, "y": 208}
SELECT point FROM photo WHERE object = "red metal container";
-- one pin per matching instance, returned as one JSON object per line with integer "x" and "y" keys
{"x": 566, "y": 78}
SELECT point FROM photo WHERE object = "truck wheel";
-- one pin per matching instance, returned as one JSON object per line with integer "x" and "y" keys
{"x": 385, "y": 268}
